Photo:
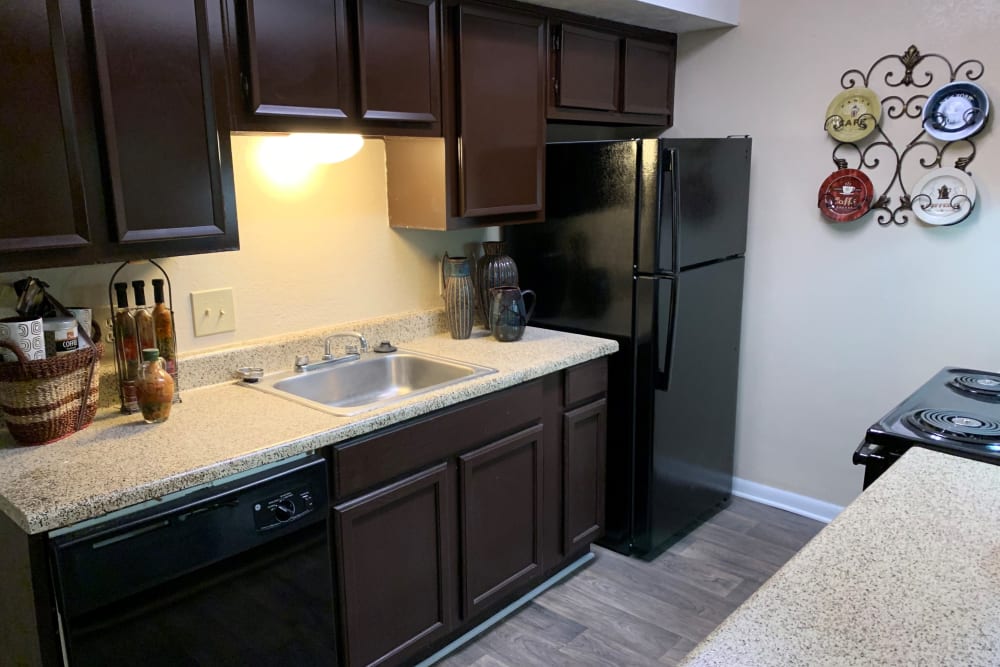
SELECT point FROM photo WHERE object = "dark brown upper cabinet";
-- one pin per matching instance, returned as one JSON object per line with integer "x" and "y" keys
{"x": 51, "y": 202}
{"x": 298, "y": 57}
{"x": 369, "y": 66}
{"x": 161, "y": 74}
{"x": 121, "y": 149}
{"x": 399, "y": 61}
{"x": 649, "y": 78}
{"x": 588, "y": 69}
{"x": 611, "y": 77}
{"x": 489, "y": 167}
{"x": 501, "y": 63}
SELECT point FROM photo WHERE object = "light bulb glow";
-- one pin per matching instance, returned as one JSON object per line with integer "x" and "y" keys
{"x": 326, "y": 148}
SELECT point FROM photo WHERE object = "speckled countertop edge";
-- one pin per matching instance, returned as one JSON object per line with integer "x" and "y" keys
{"x": 228, "y": 428}
{"x": 908, "y": 574}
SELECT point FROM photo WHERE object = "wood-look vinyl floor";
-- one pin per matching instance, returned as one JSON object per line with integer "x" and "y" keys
{"x": 622, "y": 611}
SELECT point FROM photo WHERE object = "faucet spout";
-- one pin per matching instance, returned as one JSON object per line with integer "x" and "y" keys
{"x": 328, "y": 343}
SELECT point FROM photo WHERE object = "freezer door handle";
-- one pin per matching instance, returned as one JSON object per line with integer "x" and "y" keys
{"x": 665, "y": 330}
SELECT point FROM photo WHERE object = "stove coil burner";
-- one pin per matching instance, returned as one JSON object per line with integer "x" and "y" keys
{"x": 955, "y": 425}
{"x": 979, "y": 384}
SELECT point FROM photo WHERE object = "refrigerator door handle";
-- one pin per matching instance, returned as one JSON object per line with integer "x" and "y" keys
{"x": 666, "y": 309}
{"x": 666, "y": 230}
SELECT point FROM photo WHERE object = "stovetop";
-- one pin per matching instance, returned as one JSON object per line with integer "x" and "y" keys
{"x": 957, "y": 411}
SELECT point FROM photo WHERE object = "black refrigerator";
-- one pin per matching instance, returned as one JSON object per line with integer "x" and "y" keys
{"x": 644, "y": 243}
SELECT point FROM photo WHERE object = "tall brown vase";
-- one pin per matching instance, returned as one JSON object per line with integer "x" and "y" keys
{"x": 495, "y": 269}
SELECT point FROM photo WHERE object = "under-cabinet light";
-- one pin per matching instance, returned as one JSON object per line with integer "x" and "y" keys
{"x": 326, "y": 148}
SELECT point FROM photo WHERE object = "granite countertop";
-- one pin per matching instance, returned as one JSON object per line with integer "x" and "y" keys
{"x": 908, "y": 574}
{"x": 226, "y": 428}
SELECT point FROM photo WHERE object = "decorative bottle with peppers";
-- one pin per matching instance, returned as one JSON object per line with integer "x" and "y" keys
{"x": 155, "y": 387}
{"x": 143, "y": 318}
{"x": 163, "y": 324}
{"x": 126, "y": 350}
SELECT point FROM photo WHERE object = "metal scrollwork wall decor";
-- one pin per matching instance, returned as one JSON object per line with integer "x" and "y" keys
{"x": 917, "y": 178}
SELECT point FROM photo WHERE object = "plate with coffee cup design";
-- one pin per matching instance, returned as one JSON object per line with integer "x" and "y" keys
{"x": 845, "y": 195}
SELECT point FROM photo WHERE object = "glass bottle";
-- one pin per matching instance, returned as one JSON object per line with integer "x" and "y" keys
{"x": 155, "y": 388}
{"x": 163, "y": 325}
{"x": 143, "y": 318}
{"x": 126, "y": 350}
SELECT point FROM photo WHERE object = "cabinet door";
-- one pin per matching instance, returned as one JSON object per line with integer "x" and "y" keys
{"x": 393, "y": 553}
{"x": 649, "y": 78}
{"x": 49, "y": 171}
{"x": 584, "y": 443}
{"x": 588, "y": 64}
{"x": 500, "y": 495}
{"x": 160, "y": 70}
{"x": 298, "y": 57}
{"x": 501, "y": 88}
{"x": 399, "y": 60}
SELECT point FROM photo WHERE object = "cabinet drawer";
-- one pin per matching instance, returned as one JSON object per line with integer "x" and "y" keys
{"x": 371, "y": 460}
{"x": 586, "y": 381}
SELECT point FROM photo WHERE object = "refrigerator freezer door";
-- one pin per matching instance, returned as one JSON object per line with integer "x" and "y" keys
{"x": 580, "y": 260}
{"x": 694, "y": 417}
{"x": 712, "y": 181}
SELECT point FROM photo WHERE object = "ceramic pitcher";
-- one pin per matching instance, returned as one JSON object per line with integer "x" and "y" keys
{"x": 508, "y": 315}
{"x": 459, "y": 296}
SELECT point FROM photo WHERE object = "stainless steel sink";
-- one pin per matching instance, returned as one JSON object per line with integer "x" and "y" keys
{"x": 373, "y": 381}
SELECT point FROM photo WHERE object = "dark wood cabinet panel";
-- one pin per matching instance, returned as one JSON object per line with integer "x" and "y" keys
{"x": 612, "y": 75}
{"x": 160, "y": 70}
{"x": 399, "y": 60}
{"x": 588, "y": 64}
{"x": 299, "y": 58}
{"x": 649, "y": 78}
{"x": 501, "y": 119}
{"x": 500, "y": 493}
{"x": 394, "y": 558}
{"x": 584, "y": 443}
{"x": 49, "y": 168}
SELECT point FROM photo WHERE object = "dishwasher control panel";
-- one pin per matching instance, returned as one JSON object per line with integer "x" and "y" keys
{"x": 284, "y": 508}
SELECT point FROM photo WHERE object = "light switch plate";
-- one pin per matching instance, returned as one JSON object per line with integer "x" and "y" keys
{"x": 213, "y": 311}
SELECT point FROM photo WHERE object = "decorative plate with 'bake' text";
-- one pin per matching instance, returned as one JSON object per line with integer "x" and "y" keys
{"x": 845, "y": 195}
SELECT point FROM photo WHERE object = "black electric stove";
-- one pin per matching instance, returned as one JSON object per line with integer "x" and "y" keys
{"x": 957, "y": 412}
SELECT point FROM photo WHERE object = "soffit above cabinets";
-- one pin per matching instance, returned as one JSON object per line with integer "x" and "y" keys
{"x": 669, "y": 15}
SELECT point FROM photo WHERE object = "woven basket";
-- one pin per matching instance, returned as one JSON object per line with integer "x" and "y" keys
{"x": 45, "y": 400}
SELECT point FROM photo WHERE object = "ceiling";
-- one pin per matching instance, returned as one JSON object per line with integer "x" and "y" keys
{"x": 670, "y": 15}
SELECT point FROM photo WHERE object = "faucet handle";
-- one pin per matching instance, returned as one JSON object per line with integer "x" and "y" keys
{"x": 350, "y": 349}
{"x": 301, "y": 360}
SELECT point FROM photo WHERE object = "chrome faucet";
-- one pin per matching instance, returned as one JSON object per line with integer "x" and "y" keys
{"x": 351, "y": 353}
{"x": 351, "y": 349}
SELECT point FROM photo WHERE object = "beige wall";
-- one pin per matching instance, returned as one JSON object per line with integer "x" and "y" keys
{"x": 841, "y": 322}
{"x": 314, "y": 251}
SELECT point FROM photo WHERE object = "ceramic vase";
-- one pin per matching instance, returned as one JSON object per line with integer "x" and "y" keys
{"x": 508, "y": 315}
{"x": 495, "y": 269}
{"x": 459, "y": 296}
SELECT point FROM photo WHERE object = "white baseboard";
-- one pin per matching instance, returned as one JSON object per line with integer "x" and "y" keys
{"x": 811, "y": 508}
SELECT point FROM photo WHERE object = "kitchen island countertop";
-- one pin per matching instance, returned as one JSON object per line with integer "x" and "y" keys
{"x": 908, "y": 574}
{"x": 224, "y": 429}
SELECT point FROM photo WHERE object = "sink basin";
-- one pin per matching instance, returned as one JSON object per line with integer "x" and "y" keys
{"x": 373, "y": 381}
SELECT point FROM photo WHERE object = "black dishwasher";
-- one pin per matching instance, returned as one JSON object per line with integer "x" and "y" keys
{"x": 238, "y": 573}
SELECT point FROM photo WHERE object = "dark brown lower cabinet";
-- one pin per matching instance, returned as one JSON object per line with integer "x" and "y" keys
{"x": 584, "y": 440}
{"x": 477, "y": 504}
{"x": 394, "y": 559}
{"x": 500, "y": 496}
